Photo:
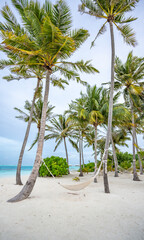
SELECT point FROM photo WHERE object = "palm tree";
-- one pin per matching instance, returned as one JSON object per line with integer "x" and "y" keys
{"x": 60, "y": 130}
{"x": 47, "y": 42}
{"x": 96, "y": 105}
{"x": 128, "y": 78}
{"x": 18, "y": 73}
{"x": 113, "y": 13}
{"x": 37, "y": 113}
{"x": 79, "y": 118}
{"x": 119, "y": 138}
{"x": 119, "y": 134}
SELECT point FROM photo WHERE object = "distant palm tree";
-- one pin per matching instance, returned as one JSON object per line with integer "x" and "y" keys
{"x": 129, "y": 78}
{"x": 119, "y": 135}
{"x": 48, "y": 42}
{"x": 113, "y": 12}
{"x": 37, "y": 114}
{"x": 119, "y": 138}
{"x": 79, "y": 119}
{"x": 96, "y": 106}
{"x": 60, "y": 130}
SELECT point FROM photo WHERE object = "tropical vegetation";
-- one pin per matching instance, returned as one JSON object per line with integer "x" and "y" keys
{"x": 53, "y": 166}
{"x": 101, "y": 118}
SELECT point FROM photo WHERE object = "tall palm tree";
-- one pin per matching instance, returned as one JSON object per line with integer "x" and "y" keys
{"x": 47, "y": 42}
{"x": 113, "y": 12}
{"x": 60, "y": 130}
{"x": 96, "y": 105}
{"x": 129, "y": 78}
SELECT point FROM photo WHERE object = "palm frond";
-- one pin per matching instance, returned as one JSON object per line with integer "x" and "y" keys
{"x": 100, "y": 32}
{"x": 23, "y": 116}
{"x": 127, "y": 33}
{"x": 121, "y": 19}
{"x": 59, "y": 82}
{"x": 6, "y": 63}
{"x": 93, "y": 8}
{"x": 74, "y": 144}
{"x": 58, "y": 143}
{"x": 79, "y": 36}
{"x": 34, "y": 142}
{"x": 62, "y": 16}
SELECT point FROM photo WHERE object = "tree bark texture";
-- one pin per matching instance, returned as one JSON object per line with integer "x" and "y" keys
{"x": 82, "y": 153}
{"x": 18, "y": 173}
{"x": 28, "y": 187}
{"x": 80, "y": 156}
{"x": 140, "y": 162}
{"x": 105, "y": 177}
{"x": 95, "y": 148}
{"x": 66, "y": 154}
{"x": 115, "y": 158}
{"x": 135, "y": 175}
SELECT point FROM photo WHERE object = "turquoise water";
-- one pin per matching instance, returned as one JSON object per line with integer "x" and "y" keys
{"x": 6, "y": 171}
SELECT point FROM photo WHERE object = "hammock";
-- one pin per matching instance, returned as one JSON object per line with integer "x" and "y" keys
{"x": 78, "y": 186}
{"x": 81, "y": 186}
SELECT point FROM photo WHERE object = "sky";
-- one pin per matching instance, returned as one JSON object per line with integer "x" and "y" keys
{"x": 13, "y": 94}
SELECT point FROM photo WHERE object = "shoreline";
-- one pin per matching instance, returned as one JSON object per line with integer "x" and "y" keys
{"x": 52, "y": 212}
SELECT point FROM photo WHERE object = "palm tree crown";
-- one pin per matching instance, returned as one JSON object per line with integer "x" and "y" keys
{"x": 112, "y": 11}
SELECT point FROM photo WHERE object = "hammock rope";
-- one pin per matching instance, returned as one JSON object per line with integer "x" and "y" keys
{"x": 79, "y": 186}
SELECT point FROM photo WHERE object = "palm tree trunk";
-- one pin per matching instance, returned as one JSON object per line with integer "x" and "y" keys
{"x": 82, "y": 152}
{"x": 115, "y": 158}
{"x": 140, "y": 162}
{"x": 105, "y": 177}
{"x": 66, "y": 154}
{"x": 95, "y": 148}
{"x": 135, "y": 175}
{"x": 18, "y": 173}
{"x": 80, "y": 155}
{"x": 28, "y": 187}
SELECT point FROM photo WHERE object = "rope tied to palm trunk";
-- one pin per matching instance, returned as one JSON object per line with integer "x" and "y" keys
{"x": 79, "y": 186}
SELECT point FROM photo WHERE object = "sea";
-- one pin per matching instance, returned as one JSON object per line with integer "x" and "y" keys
{"x": 7, "y": 171}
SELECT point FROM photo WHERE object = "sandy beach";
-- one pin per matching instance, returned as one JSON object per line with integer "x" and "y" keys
{"x": 54, "y": 213}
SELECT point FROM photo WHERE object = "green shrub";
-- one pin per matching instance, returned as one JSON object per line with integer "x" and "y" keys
{"x": 89, "y": 167}
{"x": 124, "y": 157}
{"x": 141, "y": 153}
{"x": 125, "y": 165}
{"x": 137, "y": 164}
{"x": 57, "y": 165}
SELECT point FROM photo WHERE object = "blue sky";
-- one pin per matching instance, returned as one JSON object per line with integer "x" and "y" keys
{"x": 13, "y": 94}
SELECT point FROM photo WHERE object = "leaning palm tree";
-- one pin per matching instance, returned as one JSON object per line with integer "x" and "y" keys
{"x": 61, "y": 129}
{"x": 129, "y": 78}
{"x": 48, "y": 42}
{"x": 113, "y": 13}
{"x": 18, "y": 73}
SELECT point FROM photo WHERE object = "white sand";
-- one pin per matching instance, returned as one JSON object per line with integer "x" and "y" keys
{"x": 54, "y": 213}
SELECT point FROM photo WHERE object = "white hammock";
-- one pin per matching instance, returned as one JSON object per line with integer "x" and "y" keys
{"x": 83, "y": 185}
{"x": 78, "y": 186}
